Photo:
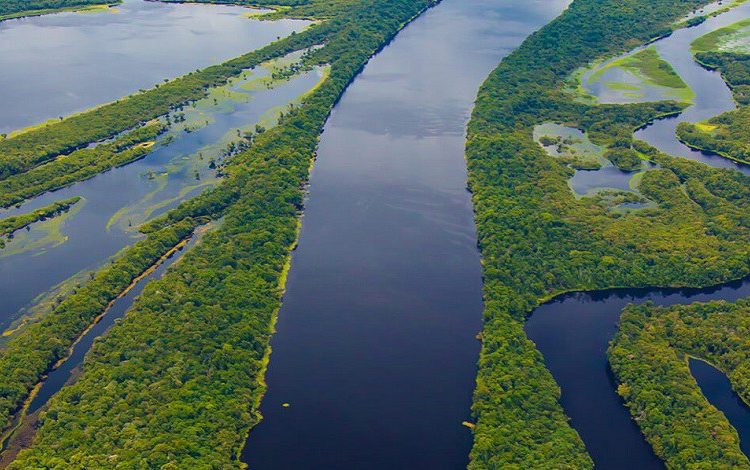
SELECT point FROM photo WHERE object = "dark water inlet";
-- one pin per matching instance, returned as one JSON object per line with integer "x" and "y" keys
{"x": 718, "y": 391}
{"x": 573, "y": 331}
{"x": 375, "y": 351}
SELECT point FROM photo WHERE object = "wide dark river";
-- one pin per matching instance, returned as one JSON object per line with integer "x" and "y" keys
{"x": 573, "y": 331}
{"x": 376, "y": 347}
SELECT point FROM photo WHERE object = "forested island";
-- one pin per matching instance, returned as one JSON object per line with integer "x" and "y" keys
{"x": 216, "y": 309}
{"x": 177, "y": 382}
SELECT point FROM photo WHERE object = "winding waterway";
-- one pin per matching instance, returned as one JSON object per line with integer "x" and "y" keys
{"x": 376, "y": 346}
{"x": 712, "y": 95}
{"x": 573, "y": 331}
{"x": 55, "y": 65}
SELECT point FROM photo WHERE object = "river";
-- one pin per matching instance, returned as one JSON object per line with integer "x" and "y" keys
{"x": 375, "y": 351}
{"x": 573, "y": 331}
{"x": 58, "y": 64}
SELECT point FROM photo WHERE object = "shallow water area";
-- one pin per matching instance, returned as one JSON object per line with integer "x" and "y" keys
{"x": 593, "y": 172}
{"x": 116, "y": 202}
{"x": 712, "y": 95}
{"x": 101, "y": 56}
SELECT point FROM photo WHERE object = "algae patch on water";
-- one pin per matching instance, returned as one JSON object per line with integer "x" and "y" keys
{"x": 733, "y": 38}
{"x": 592, "y": 174}
{"x": 642, "y": 76}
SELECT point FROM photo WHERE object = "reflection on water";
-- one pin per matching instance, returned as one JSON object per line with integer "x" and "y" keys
{"x": 573, "y": 333}
{"x": 58, "y": 64}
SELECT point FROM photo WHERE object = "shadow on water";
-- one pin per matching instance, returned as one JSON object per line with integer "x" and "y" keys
{"x": 718, "y": 391}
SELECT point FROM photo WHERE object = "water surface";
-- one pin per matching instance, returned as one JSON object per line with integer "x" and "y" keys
{"x": 58, "y": 64}
{"x": 573, "y": 331}
{"x": 376, "y": 347}
{"x": 117, "y": 201}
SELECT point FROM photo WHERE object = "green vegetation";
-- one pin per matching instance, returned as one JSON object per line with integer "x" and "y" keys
{"x": 728, "y": 134}
{"x": 79, "y": 165}
{"x": 625, "y": 159}
{"x": 645, "y": 74}
{"x": 18, "y": 8}
{"x": 177, "y": 383}
{"x": 538, "y": 240}
{"x": 35, "y": 350}
{"x": 18, "y": 222}
{"x": 649, "y": 357}
{"x": 732, "y": 38}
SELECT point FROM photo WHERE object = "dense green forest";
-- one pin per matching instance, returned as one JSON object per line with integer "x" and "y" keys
{"x": 33, "y": 352}
{"x": 538, "y": 240}
{"x": 79, "y": 165}
{"x": 177, "y": 383}
{"x": 17, "y": 8}
{"x": 649, "y": 358}
{"x": 11, "y": 224}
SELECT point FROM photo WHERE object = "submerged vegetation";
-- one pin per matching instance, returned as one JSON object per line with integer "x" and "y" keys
{"x": 35, "y": 350}
{"x": 539, "y": 240}
{"x": 177, "y": 383}
{"x": 11, "y": 224}
{"x": 728, "y": 134}
{"x": 637, "y": 77}
{"x": 649, "y": 357}
{"x": 79, "y": 165}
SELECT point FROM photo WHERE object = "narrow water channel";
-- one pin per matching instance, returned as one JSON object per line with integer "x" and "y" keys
{"x": 59, "y": 376}
{"x": 573, "y": 331}
{"x": 92, "y": 54}
{"x": 373, "y": 364}
{"x": 66, "y": 372}
{"x": 712, "y": 95}
{"x": 718, "y": 390}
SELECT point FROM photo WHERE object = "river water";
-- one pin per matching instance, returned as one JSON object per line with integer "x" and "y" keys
{"x": 58, "y": 64}
{"x": 117, "y": 201}
{"x": 573, "y": 331}
{"x": 376, "y": 348}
